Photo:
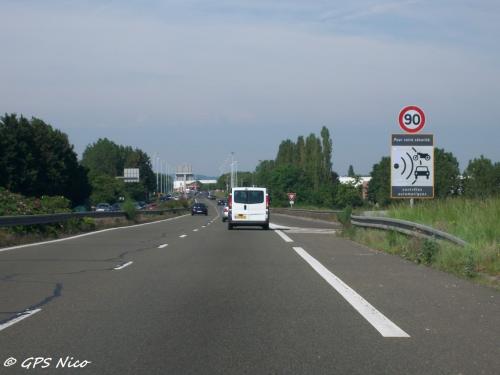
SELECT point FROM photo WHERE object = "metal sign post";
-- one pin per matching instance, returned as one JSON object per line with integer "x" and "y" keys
{"x": 291, "y": 198}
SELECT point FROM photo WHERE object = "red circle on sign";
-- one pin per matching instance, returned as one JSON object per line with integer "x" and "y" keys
{"x": 405, "y": 126}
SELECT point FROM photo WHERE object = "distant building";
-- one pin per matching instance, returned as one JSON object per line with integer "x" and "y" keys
{"x": 361, "y": 180}
{"x": 185, "y": 180}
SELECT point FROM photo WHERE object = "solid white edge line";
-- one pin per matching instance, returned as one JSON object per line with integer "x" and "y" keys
{"x": 163, "y": 246}
{"x": 22, "y": 316}
{"x": 88, "y": 234}
{"x": 378, "y": 320}
{"x": 284, "y": 236}
{"x": 123, "y": 266}
{"x": 183, "y": 235}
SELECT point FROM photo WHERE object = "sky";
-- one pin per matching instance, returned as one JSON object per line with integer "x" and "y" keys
{"x": 192, "y": 81}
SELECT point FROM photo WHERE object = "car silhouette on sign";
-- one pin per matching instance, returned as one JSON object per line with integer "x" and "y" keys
{"x": 422, "y": 171}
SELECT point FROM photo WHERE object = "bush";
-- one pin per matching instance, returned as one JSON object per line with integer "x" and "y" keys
{"x": 428, "y": 252}
{"x": 470, "y": 264}
{"x": 130, "y": 210}
{"x": 54, "y": 204}
{"x": 345, "y": 216}
{"x": 348, "y": 195}
{"x": 88, "y": 224}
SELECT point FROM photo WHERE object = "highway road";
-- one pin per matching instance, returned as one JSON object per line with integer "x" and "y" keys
{"x": 187, "y": 296}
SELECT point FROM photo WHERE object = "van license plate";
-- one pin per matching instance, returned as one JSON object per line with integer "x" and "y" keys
{"x": 241, "y": 216}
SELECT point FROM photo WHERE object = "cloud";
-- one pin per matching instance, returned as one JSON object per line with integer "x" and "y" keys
{"x": 370, "y": 9}
{"x": 151, "y": 73}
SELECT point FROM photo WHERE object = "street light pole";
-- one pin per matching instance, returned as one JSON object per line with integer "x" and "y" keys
{"x": 156, "y": 162}
{"x": 232, "y": 170}
{"x": 161, "y": 176}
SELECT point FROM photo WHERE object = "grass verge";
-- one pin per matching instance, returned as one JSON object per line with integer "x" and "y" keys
{"x": 475, "y": 221}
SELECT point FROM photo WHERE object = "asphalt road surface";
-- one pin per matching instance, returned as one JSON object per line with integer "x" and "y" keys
{"x": 187, "y": 296}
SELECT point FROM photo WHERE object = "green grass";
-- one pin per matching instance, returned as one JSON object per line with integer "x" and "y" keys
{"x": 475, "y": 221}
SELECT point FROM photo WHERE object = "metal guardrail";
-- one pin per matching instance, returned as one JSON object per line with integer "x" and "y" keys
{"x": 406, "y": 227}
{"x": 10, "y": 221}
{"x": 369, "y": 220}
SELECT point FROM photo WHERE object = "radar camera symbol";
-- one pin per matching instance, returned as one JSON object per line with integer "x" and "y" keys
{"x": 409, "y": 169}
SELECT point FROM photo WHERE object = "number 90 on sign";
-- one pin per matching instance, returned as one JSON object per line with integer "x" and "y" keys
{"x": 411, "y": 119}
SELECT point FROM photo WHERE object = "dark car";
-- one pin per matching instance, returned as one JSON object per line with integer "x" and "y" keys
{"x": 116, "y": 207}
{"x": 221, "y": 202}
{"x": 103, "y": 207}
{"x": 140, "y": 205}
{"x": 199, "y": 209}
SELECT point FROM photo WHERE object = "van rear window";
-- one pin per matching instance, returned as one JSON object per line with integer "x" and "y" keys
{"x": 249, "y": 196}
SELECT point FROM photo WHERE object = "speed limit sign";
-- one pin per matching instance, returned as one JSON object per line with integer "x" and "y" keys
{"x": 411, "y": 119}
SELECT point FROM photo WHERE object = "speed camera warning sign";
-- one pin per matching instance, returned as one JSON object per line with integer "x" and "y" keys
{"x": 412, "y": 166}
{"x": 411, "y": 119}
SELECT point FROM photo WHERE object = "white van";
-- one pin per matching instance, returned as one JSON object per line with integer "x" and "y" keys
{"x": 248, "y": 206}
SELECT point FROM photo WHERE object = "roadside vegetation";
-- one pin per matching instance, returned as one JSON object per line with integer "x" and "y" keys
{"x": 16, "y": 204}
{"x": 466, "y": 204}
{"x": 474, "y": 220}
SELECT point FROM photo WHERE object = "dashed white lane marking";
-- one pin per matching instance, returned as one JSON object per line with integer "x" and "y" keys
{"x": 17, "y": 319}
{"x": 195, "y": 230}
{"x": 163, "y": 246}
{"x": 123, "y": 266}
{"x": 183, "y": 235}
{"x": 89, "y": 234}
{"x": 203, "y": 226}
{"x": 378, "y": 320}
{"x": 284, "y": 236}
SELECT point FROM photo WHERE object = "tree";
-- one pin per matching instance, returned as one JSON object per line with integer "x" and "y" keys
{"x": 106, "y": 189}
{"x": 139, "y": 159}
{"x": 481, "y": 178}
{"x": 447, "y": 174}
{"x": 36, "y": 160}
{"x": 379, "y": 189}
{"x": 350, "y": 172}
{"x": 314, "y": 161}
{"x": 348, "y": 195}
{"x": 301, "y": 152}
{"x": 327, "y": 150}
{"x": 286, "y": 153}
{"x": 310, "y": 158}
{"x": 284, "y": 179}
{"x": 263, "y": 172}
{"x": 497, "y": 177}
{"x": 106, "y": 158}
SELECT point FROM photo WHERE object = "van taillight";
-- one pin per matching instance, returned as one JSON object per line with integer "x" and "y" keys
{"x": 230, "y": 201}
{"x": 267, "y": 200}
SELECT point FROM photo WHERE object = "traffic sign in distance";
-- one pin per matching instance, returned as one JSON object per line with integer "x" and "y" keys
{"x": 291, "y": 196}
{"x": 411, "y": 119}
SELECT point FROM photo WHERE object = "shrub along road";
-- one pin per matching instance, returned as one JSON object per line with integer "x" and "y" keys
{"x": 189, "y": 296}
